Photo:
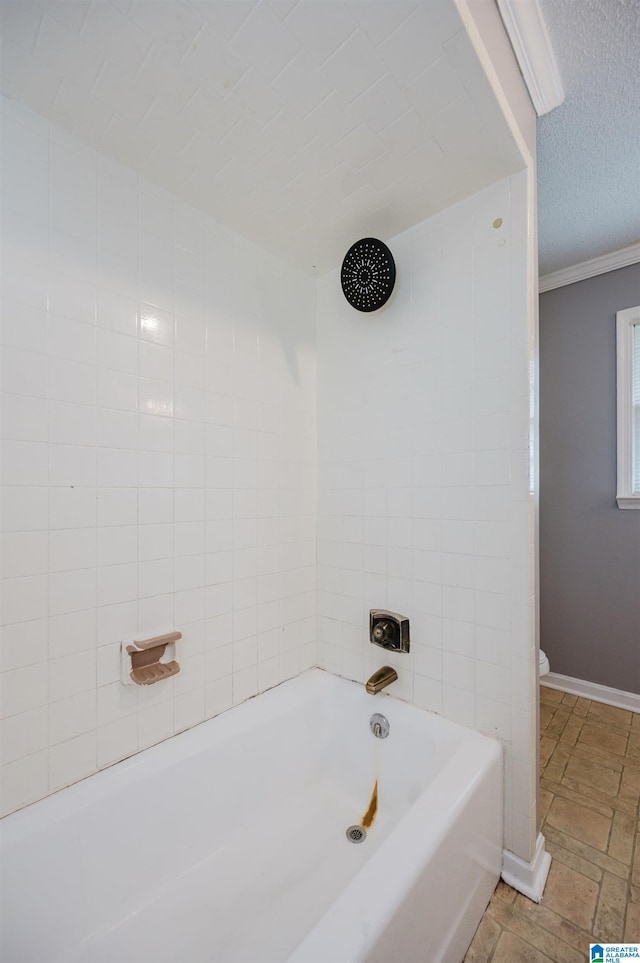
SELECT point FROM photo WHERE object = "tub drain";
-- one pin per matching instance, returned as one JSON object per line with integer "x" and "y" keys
{"x": 356, "y": 834}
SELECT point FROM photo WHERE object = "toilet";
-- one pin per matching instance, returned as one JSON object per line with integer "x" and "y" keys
{"x": 543, "y": 663}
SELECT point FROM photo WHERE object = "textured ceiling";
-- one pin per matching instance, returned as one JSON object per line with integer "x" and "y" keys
{"x": 303, "y": 125}
{"x": 589, "y": 147}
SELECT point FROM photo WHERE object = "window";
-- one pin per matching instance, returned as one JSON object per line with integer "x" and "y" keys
{"x": 628, "y": 377}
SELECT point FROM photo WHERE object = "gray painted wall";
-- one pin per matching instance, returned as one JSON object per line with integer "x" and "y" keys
{"x": 589, "y": 548}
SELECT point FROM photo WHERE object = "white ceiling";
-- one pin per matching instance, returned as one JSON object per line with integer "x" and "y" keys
{"x": 303, "y": 125}
{"x": 589, "y": 147}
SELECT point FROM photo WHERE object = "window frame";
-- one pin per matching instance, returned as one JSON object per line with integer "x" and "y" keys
{"x": 625, "y": 322}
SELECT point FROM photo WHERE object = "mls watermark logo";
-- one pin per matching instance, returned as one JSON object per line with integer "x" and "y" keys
{"x": 613, "y": 952}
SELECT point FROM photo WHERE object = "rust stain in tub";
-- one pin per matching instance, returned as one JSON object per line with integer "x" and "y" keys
{"x": 370, "y": 815}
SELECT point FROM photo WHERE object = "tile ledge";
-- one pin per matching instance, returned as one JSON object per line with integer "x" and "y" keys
{"x": 528, "y": 878}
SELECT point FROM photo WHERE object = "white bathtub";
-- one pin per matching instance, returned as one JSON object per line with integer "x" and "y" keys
{"x": 227, "y": 843}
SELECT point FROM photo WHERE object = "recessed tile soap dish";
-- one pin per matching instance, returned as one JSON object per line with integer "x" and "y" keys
{"x": 150, "y": 660}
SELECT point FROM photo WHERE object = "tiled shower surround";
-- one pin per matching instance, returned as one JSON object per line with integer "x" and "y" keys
{"x": 423, "y": 479}
{"x": 158, "y": 460}
{"x": 159, "y": 467}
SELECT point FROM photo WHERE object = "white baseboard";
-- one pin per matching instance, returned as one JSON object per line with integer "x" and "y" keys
{"x": 591, "y": 690}
{"x": 528, "y": 878}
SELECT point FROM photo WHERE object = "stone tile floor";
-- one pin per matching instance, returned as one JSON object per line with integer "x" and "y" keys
{"x": 589, "y": 795}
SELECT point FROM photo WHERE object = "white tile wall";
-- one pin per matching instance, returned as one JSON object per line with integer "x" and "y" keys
{"x": 290, "y": 122}
{"x": 423, "y": 489}
{"x": 159, "y": 448}
{"x": 158, "y": 470}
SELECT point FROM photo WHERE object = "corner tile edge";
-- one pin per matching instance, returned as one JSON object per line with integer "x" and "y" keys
{"x": 528, "y": 878}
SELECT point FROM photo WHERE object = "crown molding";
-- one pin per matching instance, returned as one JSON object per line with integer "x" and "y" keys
{"x": 590, "y": 269}
{"x": 529, "y": 38}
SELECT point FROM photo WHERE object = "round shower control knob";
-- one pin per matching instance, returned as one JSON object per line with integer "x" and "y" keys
{"x": 382, "y": 631}
{"x": 389, "y": 630}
